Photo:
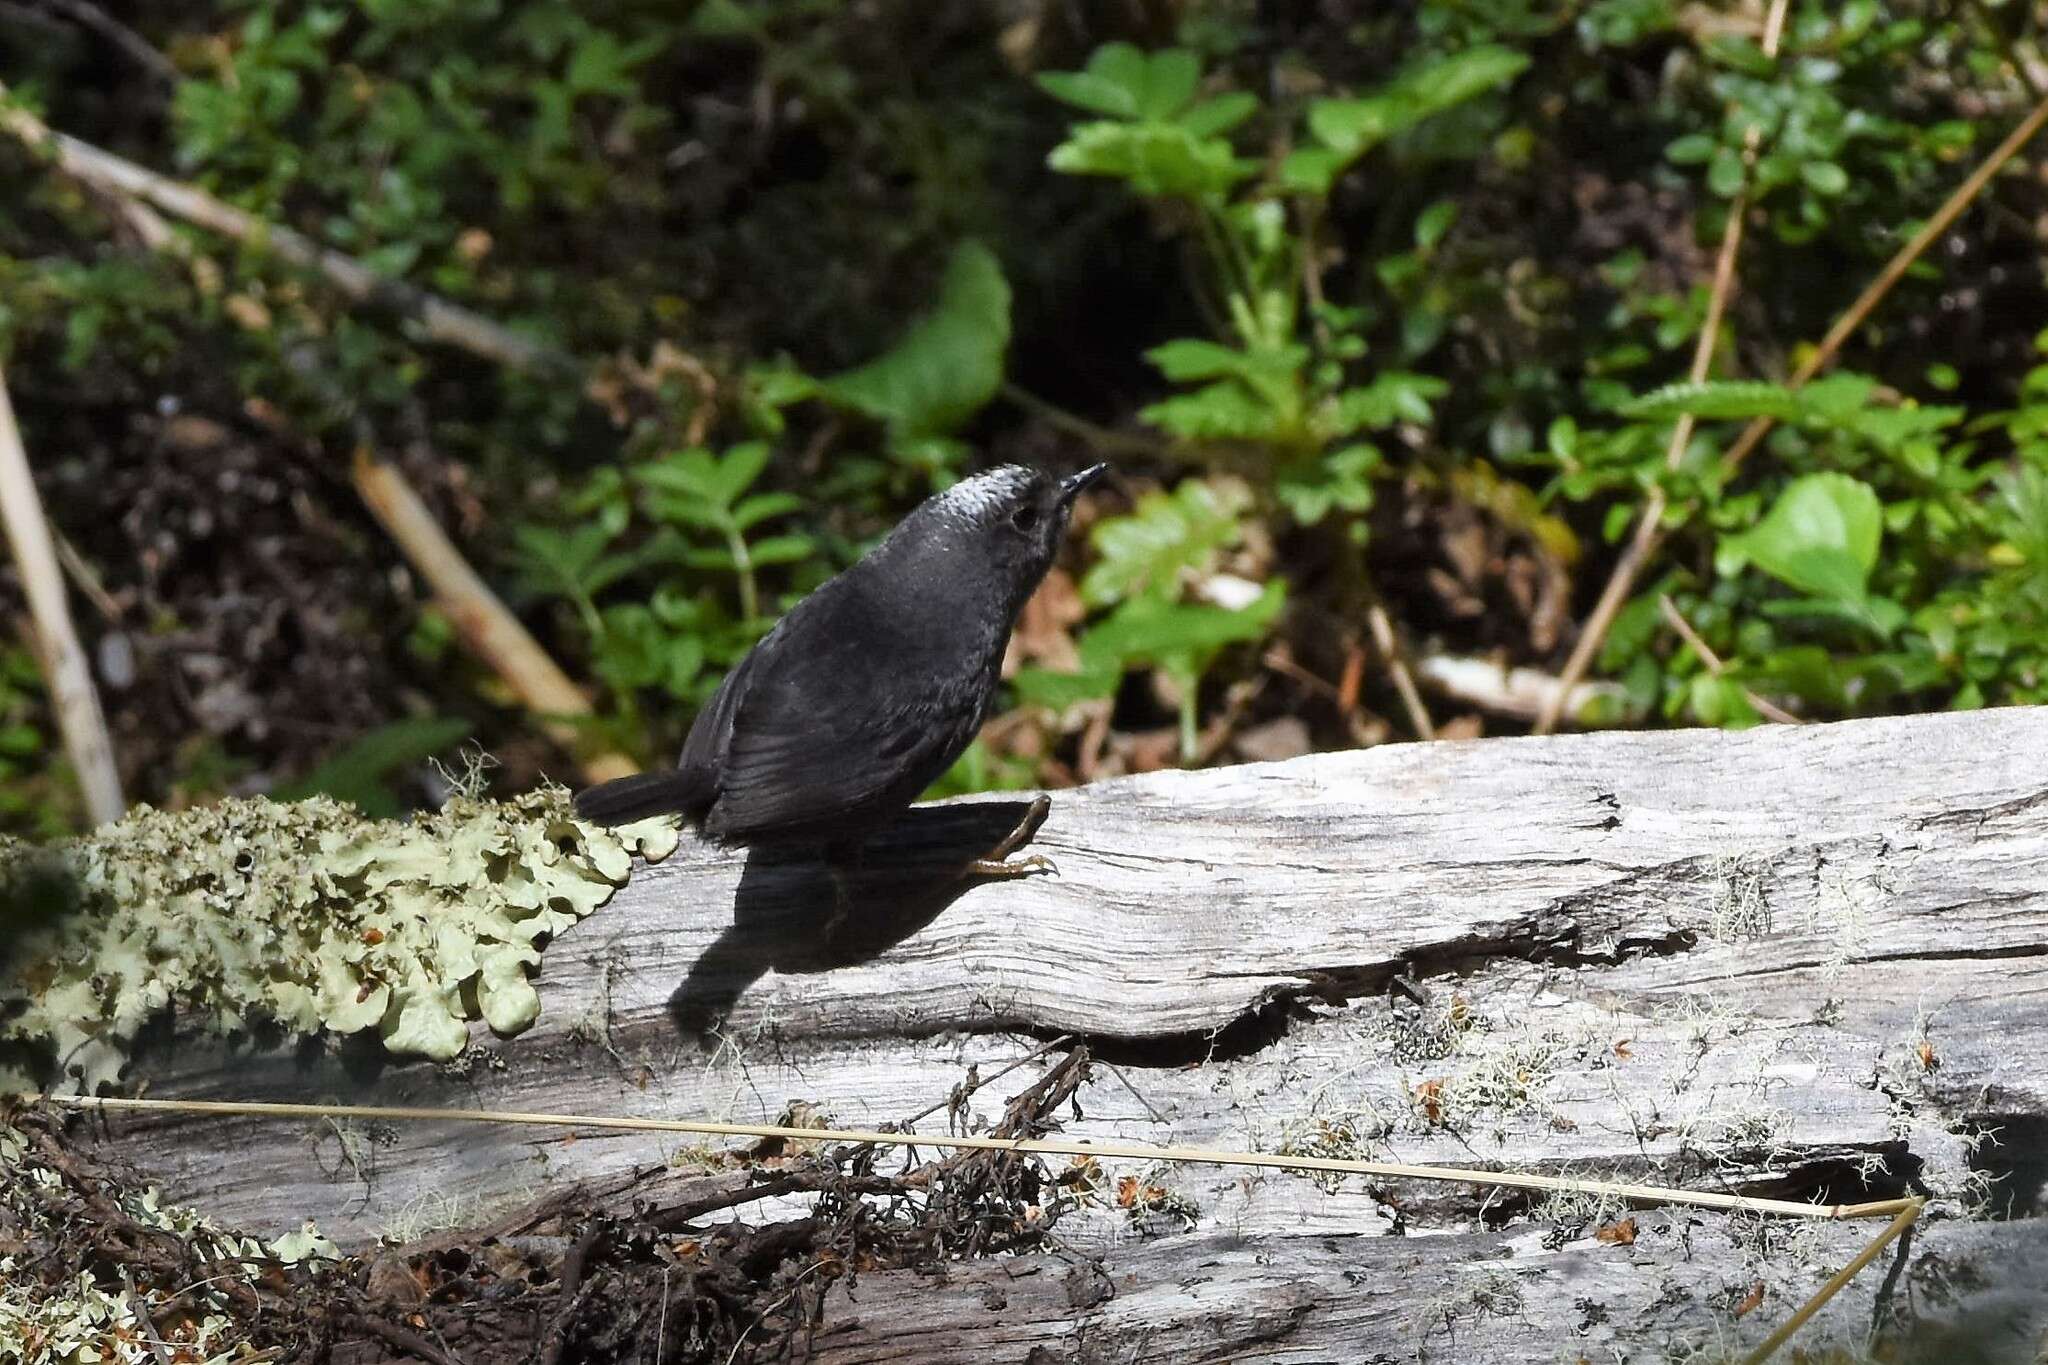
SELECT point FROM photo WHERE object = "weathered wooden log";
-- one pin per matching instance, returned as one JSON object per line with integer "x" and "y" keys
{"x": 1787, "y": 960}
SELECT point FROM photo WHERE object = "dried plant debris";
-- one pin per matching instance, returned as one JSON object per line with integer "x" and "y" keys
{"x": 96, "y": 1267}
{"x": 651, "y": 1266}
{"x": 304, "y": 916}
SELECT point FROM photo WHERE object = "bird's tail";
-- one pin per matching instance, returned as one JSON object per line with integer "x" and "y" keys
{"x": 626, "y": 799}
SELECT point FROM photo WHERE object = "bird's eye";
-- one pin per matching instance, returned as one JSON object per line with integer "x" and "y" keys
{"x": 1025, "y": 518}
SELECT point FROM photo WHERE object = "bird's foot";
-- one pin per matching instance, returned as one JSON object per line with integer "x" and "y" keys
{"x": 997, "y": 867}
{"x": 994, "y": 863}
{"x": 1041, "y": 806}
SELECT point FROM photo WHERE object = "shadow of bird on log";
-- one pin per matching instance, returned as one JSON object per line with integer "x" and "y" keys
{"x": 795, "y": 914}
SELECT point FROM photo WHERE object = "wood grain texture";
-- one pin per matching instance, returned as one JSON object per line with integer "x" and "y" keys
{"x": 1780, "y": 960}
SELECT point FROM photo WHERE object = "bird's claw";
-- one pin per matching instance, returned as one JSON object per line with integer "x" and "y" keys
{"x": 1023, "y": 867}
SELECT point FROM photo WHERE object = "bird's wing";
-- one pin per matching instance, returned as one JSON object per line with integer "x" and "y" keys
{"x": 820, "y": 736}
{"x": 703, "y": 753}
{"x": 689, "y": 788}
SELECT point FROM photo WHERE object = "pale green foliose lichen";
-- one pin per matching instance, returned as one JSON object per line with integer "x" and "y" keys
{"x": 110, "y": 1316}
{"x": 307, "y": 916}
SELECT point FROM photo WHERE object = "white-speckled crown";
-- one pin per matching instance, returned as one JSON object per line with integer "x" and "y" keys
{"x": 974, "y": 499}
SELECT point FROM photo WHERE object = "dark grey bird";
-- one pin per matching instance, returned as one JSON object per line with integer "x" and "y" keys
{"x": 871, "y": 686}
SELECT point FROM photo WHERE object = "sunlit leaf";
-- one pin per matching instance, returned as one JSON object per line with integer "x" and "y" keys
{"x": 947, "y": 366}
{"x": 1821, "y": 537}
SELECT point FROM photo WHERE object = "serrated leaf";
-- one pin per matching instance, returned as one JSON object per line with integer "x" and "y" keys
{"x": 1395, "y": 395}
{"x": 1216, "y": 412}
{"x": 790, "y": 549}
{"x": 1167, "y": 536}
{"x": 1150, "y": 629}
{"x": 1044, "y": 687}
{"x": 753, "y": 510}
{"x": 947, "y": 366}
{"x": 1190, "y": 359}
{"x": 1155, "y": 158}
{"x": 1716, "y": 400}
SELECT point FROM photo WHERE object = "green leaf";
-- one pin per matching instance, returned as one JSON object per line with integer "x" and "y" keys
{"x": 735, "y": 473}
{"x": 1189, "y": 360}
{"x": 1213, "y": 118}
{"x": 1150, "y": 630}
{"x": 1824, "y": 177}
{"x": 1725, "y": 173}
{"x": 1690, "y": 150}
{"x": 791, "y": 549}
{"x": 1354, "y": 126}
{"x": 1879, "y": 615}
{"x": 1716, "y": 400}
{"x": 1043, "y": 687}
{"x": 1393, "y": 396}
{"x": 1821, "y": 537}
{"x": 1125, "y": 83}
{"x": 1312, "y": 170}
{"x": 1091, "y": 91}
{"x": 1157, "y": 159}
{"x": 1310, "y": 490}
{"x": 1167, "y": 536}
{"x": 1434, "y": 222}
{"x": 754, "y": 510}
{"x": 356, "y": 774}
{"x": 948, "y": 365}
{"x": 1169, "y": 82}
{"x": 1223, "y": 411}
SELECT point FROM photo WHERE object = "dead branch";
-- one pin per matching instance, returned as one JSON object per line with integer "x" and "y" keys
{"x": 72, "y": 694}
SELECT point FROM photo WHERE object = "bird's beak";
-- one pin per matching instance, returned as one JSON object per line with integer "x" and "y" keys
{"x": 1071, "y": 486}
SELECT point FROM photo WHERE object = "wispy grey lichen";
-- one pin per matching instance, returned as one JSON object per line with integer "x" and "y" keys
{"x": 305, "y": 915}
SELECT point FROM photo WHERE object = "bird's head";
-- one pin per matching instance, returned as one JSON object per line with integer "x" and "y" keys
{"x": 1012, "y": 516}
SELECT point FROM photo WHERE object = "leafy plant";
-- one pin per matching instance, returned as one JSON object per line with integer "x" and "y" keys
{"x": 699, "y": 493}
{"x": 1155, "y": 134}
{"x": 1281, "y": 378}
{"x": 697, "y": 518}
{"x": 1149, "y": 561}
{"x": 1343, "y": 130}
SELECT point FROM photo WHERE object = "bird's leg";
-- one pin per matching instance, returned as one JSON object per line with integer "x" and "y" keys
{"x": 992, "y": 863}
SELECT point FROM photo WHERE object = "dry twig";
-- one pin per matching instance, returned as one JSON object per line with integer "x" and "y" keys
{"x": 1676, "y": 620}
{"x": 72, "y": 695}
{"x": 484, "y": 622}
{"x": 1007, "y": 1139}
{"x": 1397, "y": 667}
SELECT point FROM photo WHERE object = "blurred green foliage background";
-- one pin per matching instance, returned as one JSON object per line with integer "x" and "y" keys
{"x": 1379, "y": 312}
